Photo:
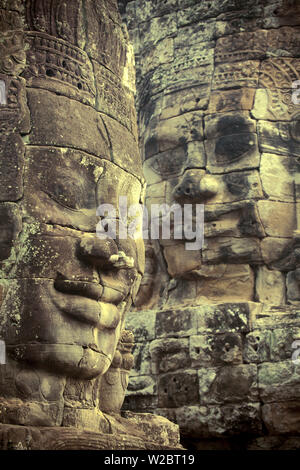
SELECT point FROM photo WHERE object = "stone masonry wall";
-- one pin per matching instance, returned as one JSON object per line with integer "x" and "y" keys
{"x": 223, "y": 372}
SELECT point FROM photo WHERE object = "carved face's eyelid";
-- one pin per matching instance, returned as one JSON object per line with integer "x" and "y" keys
{"x": 164, "y": 170}
{"x": 71, "y": 188}
{"x": 54, "y": 198}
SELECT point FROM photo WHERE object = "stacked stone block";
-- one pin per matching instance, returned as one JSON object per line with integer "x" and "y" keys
{"x": 223, "y": 372}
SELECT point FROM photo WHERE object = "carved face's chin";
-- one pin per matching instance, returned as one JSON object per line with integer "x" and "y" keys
{"x": 71, "y": 360}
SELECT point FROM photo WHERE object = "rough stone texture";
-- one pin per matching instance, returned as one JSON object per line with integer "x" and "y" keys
{"x": 281, "y": 378}
{"x": 130, "y": 432}
{"x": 215, "y": 421}
{"x": 216, "y": 350}
{"x": 218, "y": 127}
{"x": 68, "y": 144}
{"x": 270, "y": 286}
{"x": 219, "y": 372}
{"x": 232, "y": 384}
{"x": 217, "y": 328}
{"x": 282, "y": 418}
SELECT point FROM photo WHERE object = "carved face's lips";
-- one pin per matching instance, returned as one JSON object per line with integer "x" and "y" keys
{"x": 86, "y": 289}
{"x": 110, "y": 294}
{"x": 228, "y": 218}
{"x": 62, "y": 332}
{"x": 77, "y": 299}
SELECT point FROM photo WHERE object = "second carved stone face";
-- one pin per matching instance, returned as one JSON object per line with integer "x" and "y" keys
{"x": 211, "y": 160}
{"x": 242, "y": 168}
{"x": 219, "y": 126}
{"x": 67, "y": 296}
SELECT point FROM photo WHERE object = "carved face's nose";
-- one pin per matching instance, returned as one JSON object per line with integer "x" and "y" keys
{"x": 96, "y": 252}
{"x": 104, "y": 254}
{"x": 195, "y": 186}
{"x": 208, "y": 186}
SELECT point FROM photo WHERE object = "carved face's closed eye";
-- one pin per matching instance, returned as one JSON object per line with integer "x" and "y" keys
{"x": 67, "y": 192}
{"x": 169, "y": 163}
{"x": 234, "y": 139}
{"x": 232, "y": 147}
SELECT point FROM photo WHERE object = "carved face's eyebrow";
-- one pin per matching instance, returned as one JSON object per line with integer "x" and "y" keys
{"x": 168, "y": 163}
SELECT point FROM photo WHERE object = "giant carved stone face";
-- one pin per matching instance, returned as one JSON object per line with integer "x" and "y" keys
{"x": 71, "y": 289}
{"x": 68, "y": 145}
{"x": 219, "y": 127}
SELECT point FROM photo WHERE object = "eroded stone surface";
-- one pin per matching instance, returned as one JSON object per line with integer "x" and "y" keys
{"x": 218, "y": 126}
{"x": 232, "y": 65}
{"x": 248, "y": 122}
{"x": 68, "y": 145}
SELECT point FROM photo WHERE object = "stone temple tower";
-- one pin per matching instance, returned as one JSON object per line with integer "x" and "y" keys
{"x": 217, "y": 328}
{"x": 68, "y": 145}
